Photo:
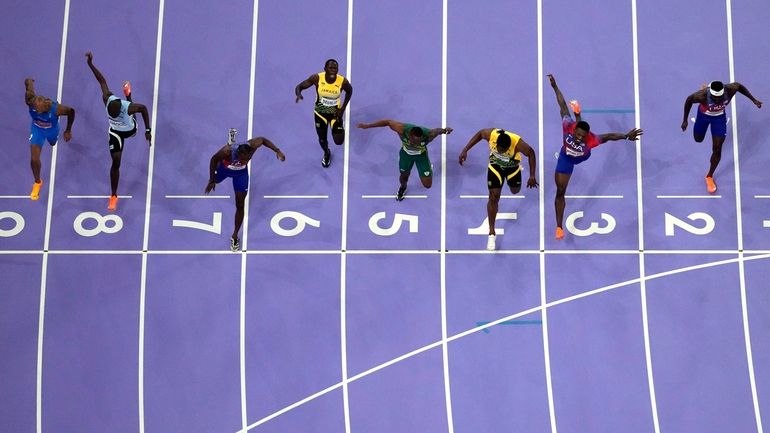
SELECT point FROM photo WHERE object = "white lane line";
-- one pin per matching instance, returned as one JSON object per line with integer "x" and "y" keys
{"x": 14, "y": 196}
{"x": 739, "y": 219}
{"x": 196, "y": 197}
{"x": 444, "y": 346}
{"x": 762, "y": 196}
{"x": 97, "y": 196}
{"x": 374, "y": 252}
{"x": 640, "y": 218}
{"x": 393, "y": 197}
{"x": 687, "y": 196}
{"x": 148, "y": 206}
{"x": 593, "y": 196}
{"x": 245, "y": 237}
{"x": 543, "y": 298}
{"x": 47, "y": 236}
{"x": 295, "y": 196}
{"x": 344, "y": 228}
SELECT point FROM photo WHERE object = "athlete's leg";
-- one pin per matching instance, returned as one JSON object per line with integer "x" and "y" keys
{"x": 115, "y": 171}
{"x": 698, "y": 138}
{"x": 35, "y": 160}
{"x": 514, "y": 182}
{"x": 562, "y": 180}
{"x": 492, "y": 206}
{"x": 403, "y": 178}
{"x": 701, "y": 125}
{"x": 240, "y": 200}
{"x": 718, "y": 134}
{"x": 338, "y": 131}
{"x": 424, "y": 169}
{"x": 716, "y": 154}
{"x": 322, "y": 129}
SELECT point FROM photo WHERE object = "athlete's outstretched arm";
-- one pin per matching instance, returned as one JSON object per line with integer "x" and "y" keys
{"x": 99, "y": 77}
{"x": 63, "y": 110}
{"x": 215, "y": 160}
{"x": 396, "y": 127}
{"x": 311, "y": 80}
{"x": 433, "y": 133}
{"x": 348, "y": 88}
{"x": 613, "y": 136}
{"x": 141, "y": 108}
{"x": 29, "y": 90}
{"x": 524, "y": 147}
{"x": 738, "y": 87}
{"x": 563, "y": 110}
{"x": 483, "y": 133}
{"x": 262, "y": 141}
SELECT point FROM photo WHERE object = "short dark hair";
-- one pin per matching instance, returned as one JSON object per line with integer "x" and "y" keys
{"x": 416, "y": 132}
{"x": 584, "y": 126}
{"x": 243, "y": 148}
{"x": 503, "y": 140}
{"x": 717, "y": 86}
{"x": 329, "y": 61}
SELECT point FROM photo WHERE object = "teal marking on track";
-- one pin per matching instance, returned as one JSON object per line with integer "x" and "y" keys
{"x": 510, "y": 323}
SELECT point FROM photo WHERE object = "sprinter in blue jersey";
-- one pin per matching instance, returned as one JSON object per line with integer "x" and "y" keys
{"x": 712, "y": 99}
{"x": 120, "y": 114}
{"x": 232, "y": 161}
{"x": 45, "y": 126}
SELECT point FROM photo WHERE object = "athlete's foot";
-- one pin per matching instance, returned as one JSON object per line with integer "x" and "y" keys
{"x": 491, "y": 243}
{"x": 401, "y": 193}
{"x": 559, "y": 233}
{"x": 35, "y": 194}
{"x": 127, "y": 88}
{"x": 327, "y": 159}
{"x": 235, "y": 244}
{"x": 711, "y": 186}
{"x": 113, "y": 203}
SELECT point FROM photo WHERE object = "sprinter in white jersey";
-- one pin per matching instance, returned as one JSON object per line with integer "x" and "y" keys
{"x": 120, "y": 113}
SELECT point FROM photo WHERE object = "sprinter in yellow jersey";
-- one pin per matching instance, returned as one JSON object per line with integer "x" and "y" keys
{"x": 414, "y": 150}
{"x": 328, "y": 110}
{"x": 505, "y": 150}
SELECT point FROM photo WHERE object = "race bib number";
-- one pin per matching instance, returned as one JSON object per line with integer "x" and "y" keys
{"x": 328, "y": 102}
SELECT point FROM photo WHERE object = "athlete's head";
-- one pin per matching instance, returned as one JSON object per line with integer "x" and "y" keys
{"x": 416, "y": 136}
{"x": 113, "y": 108}
{"x": 331, "y": 67}
{"x": 243, "y": 152}
{"x": 581, "y": 130}
{"x": 717, "y": 90}
{"x": 503, "y": 141}
{"x": 40, "y": 104}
